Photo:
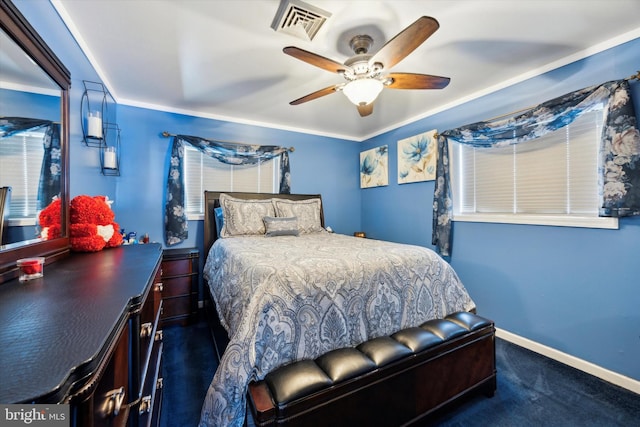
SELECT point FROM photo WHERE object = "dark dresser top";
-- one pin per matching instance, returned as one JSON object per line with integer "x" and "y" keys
{"x": 54, "y": 329}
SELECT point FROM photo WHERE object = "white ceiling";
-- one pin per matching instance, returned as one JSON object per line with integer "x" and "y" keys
{"x": 221, "y": 58}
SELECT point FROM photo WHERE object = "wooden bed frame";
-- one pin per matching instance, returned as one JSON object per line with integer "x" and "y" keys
{"x": 468, "y": 363}
{"x": 212, "y": 201}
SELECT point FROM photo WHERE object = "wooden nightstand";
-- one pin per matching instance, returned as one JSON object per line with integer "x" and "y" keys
{"x": 180, "y": 279}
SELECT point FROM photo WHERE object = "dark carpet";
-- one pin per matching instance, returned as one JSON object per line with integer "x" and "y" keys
{"x": 533, "y": 390}
{"x": 188, "y": 364}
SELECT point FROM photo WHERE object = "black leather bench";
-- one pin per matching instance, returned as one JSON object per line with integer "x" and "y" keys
{"x": 386, "y": 381}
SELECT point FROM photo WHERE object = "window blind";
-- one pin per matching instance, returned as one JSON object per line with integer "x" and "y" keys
{"x": 206, "y": 173}
{"x": 20, "y": 167}
{"x": 556, "y": 174}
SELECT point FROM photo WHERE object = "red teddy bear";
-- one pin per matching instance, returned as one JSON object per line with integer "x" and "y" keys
{"x": 92, "y": 225}
{"x": 50, "y": 219}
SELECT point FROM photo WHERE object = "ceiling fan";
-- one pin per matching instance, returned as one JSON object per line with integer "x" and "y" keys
{"x": 366, "y": 73}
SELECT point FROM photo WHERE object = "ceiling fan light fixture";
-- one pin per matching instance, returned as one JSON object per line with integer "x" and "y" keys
{"x": 363, "y": 91}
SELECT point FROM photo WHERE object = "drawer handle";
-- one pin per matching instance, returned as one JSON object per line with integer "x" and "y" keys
{"x": 145, "y": 405}
{"x": 145, "y": 330}
{"x": 158, "y": 336}
{"x": 159, "y": 383}
{"x": 113, "y": 403}
{"x": 159, "y": 287}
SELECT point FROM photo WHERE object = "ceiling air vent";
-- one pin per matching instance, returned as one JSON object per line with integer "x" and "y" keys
{"x": 299, "y": 19}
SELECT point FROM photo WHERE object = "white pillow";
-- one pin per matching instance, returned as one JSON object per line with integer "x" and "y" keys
{"x": 307, "y": 212}
{"x": 243, "y": 217}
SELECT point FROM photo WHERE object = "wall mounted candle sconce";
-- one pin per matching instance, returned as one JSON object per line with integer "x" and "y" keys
{"x": 110, "y": 152}
{"x": 94, "y": 107}
{"x": 99, "y": 128}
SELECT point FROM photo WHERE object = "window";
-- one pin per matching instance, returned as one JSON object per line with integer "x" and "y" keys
{"x": 551, "y": 180}
{"x": 24, "y": 149}
{"x": 205, "y": 173}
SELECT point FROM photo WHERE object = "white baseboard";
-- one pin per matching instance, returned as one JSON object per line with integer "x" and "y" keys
{"x": 567, "y": 359}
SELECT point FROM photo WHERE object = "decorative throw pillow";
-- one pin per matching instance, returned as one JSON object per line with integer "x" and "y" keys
{"x": 276, "y": 226}
{"x": 307, "y": 212}
{"x": 217, "y": 212}
{"x": 243, "y": 217}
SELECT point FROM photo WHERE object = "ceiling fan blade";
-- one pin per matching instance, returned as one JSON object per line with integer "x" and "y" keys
{"x": 366, "y": 109}
{"x": 405, "y": 42}
{"x": 315, "y": 59}
{"x": 416, "y": 81}
{"x": 317, "y": 94}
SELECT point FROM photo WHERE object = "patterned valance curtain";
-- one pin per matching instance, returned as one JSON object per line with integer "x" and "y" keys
{"x": 49, "y": 185}
{"x": 13, "y": 125}
{"x": 619, "y": 163}
{"x": 175, "y": 219}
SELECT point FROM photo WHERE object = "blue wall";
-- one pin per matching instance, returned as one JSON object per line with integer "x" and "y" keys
{"x": 572, "y": 289}
{"x": 318, "y": 166}
{"x": 25, "y": 104}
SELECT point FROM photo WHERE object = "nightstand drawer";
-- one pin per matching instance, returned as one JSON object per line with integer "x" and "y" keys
{"x": 176, "y": 267}
{"x": 178, "y": 286}
{"x": 180, "y": 282}
{"x": 178, "y": 306}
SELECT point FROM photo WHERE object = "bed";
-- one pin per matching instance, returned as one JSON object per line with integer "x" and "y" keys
{"x": 289, "y": 290}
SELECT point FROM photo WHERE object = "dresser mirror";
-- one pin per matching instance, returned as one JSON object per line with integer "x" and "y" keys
{"x": 35, "y": 86}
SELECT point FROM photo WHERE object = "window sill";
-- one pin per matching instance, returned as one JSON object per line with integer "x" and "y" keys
{"x": 552, "y": 220}
{"x": 195, "y": 216}
{"x": 21, "y": 222}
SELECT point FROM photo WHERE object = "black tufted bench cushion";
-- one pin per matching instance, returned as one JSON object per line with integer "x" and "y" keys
{"x": 386, "y": 381}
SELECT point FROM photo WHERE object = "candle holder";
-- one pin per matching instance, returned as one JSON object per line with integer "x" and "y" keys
{"x": 94, "y": 125}
{"x": 94, "y": 107}
{"x": 99, "y": 128}
{"x": 110, "y": 151}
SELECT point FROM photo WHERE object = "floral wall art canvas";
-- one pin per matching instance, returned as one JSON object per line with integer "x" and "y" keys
{"x": 374, "y": 167}
{"x": 417, "y": 158}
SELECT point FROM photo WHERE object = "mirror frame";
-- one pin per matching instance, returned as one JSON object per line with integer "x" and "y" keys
{"x": 18, "y": 28}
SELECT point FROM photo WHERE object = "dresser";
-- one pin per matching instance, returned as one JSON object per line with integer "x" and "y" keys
{"x": 87, "y": 334}
{"x": 180, "y": 279}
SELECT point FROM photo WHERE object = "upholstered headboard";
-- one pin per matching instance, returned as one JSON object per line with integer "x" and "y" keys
{"x": 211, "y": 201}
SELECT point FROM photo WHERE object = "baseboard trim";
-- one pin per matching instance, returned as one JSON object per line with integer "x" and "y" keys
{"x": 588, "y": 367}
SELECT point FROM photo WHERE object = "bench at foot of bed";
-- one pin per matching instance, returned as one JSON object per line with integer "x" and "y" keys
{"x": 390, "y": 381}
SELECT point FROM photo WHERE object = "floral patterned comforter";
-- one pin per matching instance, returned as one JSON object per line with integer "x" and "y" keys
{"x": 287, "y": 298}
